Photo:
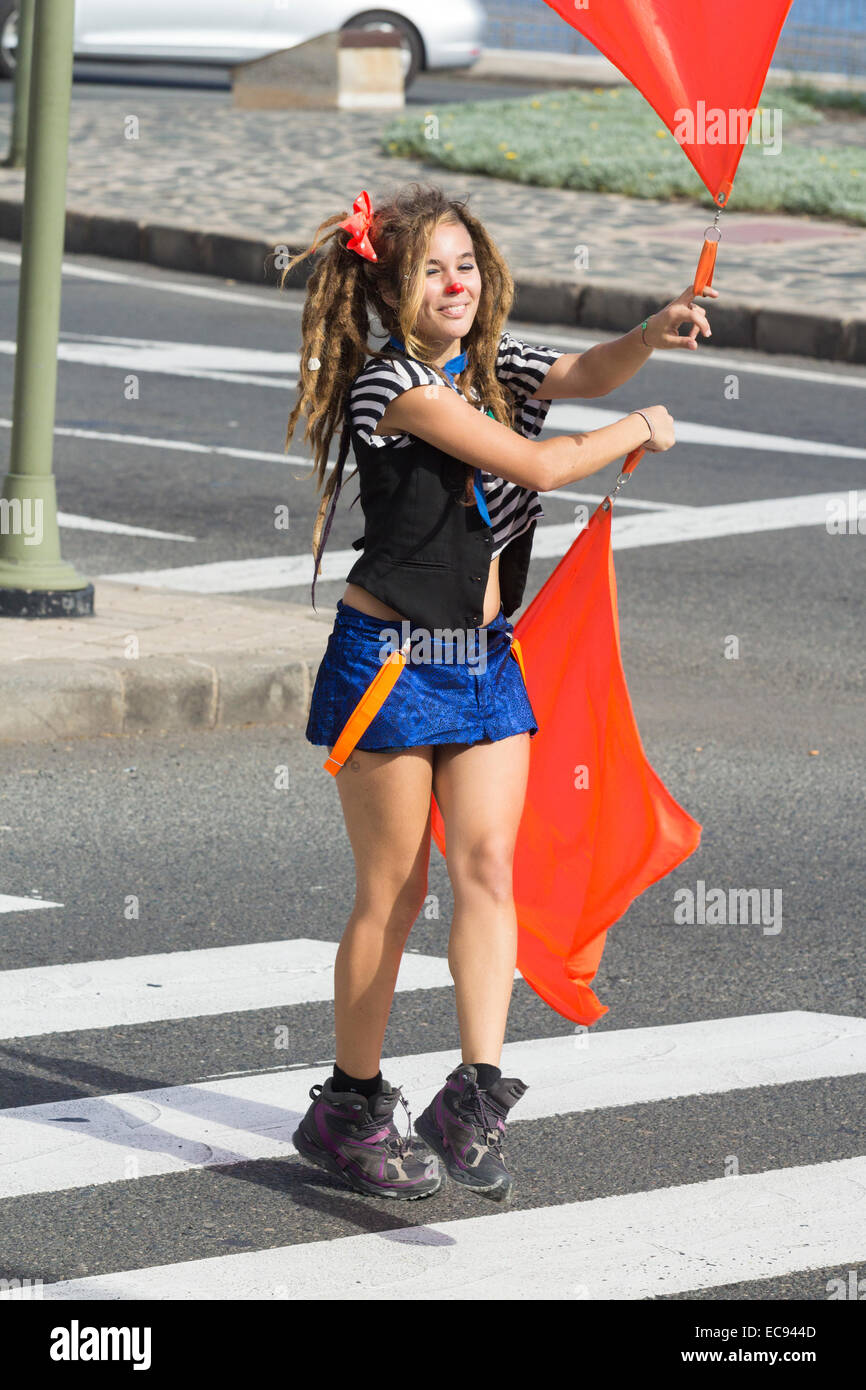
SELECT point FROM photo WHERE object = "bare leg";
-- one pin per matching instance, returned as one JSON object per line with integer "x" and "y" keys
{"x": 481, "y": 790}
{"x": 386, "y": 807}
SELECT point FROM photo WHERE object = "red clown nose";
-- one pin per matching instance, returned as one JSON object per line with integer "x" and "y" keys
{"x": 456, "y": 288}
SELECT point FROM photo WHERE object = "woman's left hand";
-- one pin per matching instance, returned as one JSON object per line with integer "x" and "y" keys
{"x": 661, "y": 330}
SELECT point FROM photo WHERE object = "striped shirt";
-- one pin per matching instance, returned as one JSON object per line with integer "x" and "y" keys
{"x": 520, "y": 366}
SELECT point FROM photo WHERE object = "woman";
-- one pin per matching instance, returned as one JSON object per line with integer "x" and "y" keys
{"x": 443, "y": 421}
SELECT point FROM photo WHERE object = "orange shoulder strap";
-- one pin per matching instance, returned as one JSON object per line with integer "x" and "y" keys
{"x": 517, "y": 650}
{"x": 372, "y": 701}
{"x": 367, "y": 708}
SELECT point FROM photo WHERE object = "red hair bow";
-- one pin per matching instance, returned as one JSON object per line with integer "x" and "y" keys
{"x": 359, "y": 224}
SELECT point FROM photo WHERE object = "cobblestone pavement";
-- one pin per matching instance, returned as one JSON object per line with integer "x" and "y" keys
{"x": 274, "y": 175}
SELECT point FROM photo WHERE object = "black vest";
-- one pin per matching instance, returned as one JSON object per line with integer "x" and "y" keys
{"x": 426, "y": 552}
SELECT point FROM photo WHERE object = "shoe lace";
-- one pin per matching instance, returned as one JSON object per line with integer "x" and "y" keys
{"x": 397, "y": 1144}
{"x": 486, "y": 1116}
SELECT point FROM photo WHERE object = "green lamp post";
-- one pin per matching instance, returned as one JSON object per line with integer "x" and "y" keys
{"x": 34, "y": 580}
{"x": 23, "y": 48}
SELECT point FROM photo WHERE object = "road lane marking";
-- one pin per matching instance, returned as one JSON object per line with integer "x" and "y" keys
{"x": 207, "y": 361}
{"x": 278, "y": 300}
{"x": 634, "y": 1245}
{"x": 9, "y": 904}
{"x": 574, "y": 419}
{"x": 638, "y": 504}
{"x": 92, "y": 523}
{"x": 74, "y": 1143}
{"x": 699, "y": 523}
{"x": 706, "y": 356}
{"x": 182, "y": 446}
{"x": 180, "y": 984}
{"x": 549, "y": 542}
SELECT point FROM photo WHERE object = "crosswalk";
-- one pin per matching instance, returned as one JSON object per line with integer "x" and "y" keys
{"x": 668, "y": 1239}
{"x": 671, "y": 1240}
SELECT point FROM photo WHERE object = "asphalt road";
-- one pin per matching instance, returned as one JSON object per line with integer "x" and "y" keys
{"x": 765, "y": 750}
{"x": 95, "y": 80}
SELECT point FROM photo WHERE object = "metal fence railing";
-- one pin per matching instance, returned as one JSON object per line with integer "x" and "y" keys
{"x": 819, "y": 35}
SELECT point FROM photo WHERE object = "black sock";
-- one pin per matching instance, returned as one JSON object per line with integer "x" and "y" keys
{"x": 342, "y": 1081}
{"x": 487, "y": 1074}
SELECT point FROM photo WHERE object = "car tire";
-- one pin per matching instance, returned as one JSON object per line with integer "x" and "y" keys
{"x": 411, "y": 39}
{"x": 8, "y": 17}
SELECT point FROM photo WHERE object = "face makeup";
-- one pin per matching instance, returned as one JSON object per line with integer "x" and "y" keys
{"x": 458, "y": 311}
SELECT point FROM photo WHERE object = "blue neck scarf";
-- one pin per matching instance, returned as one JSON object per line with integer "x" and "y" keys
{"x": 451, "y": 369}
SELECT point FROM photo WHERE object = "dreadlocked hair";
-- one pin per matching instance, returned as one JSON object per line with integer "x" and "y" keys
{"x": 343, "y": 289}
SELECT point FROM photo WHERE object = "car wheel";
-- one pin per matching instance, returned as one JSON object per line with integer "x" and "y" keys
{"x": 410, "y": 39}
{"x": 8, "y": 37}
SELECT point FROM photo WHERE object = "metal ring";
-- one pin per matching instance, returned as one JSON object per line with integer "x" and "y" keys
{"x": 714, "y": 228}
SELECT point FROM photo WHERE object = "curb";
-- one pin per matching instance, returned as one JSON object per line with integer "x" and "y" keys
{"x": 786, "y": 329}
{"x": 594, "y": 70}
{"x": 44, "y": 701}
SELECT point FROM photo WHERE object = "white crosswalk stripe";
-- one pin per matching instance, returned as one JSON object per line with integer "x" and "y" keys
{"x": 11, "y": 904}
{"x": 669, "y": 527}
{"x": 182, "y": 984}
{"x": 67, "y": 1144}
{"x": 641, "y": 1244}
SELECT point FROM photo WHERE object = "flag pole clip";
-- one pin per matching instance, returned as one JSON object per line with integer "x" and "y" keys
{"x": 620, "y": 482}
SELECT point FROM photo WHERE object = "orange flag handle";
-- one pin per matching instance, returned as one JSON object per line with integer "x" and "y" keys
{"x": 633, "y": 460}
{"x": 707, "y": 260}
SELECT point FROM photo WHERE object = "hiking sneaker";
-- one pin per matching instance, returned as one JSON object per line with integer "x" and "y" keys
{"x": 465, "y": 1125}
{"x": 355, "y": 1138}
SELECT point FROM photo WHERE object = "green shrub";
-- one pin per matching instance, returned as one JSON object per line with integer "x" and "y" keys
{"x": 609, "y": 140}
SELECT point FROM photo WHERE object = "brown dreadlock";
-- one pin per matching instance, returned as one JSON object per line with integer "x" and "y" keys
{"x": 342, "y": 290}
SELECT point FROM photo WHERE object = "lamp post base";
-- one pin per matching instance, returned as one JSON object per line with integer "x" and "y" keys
{"x": 47, "y": 603}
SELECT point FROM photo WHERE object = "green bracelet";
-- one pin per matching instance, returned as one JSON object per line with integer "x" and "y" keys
{"x": 642, "y": 338}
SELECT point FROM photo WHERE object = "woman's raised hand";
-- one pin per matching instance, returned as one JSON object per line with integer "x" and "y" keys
{"x": 662, "y": 328}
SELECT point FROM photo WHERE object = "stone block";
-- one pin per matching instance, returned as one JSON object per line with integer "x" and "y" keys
{"x": 352, "y": 69}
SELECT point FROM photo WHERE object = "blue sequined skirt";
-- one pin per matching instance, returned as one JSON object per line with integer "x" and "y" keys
{"x": 451, "y": 690}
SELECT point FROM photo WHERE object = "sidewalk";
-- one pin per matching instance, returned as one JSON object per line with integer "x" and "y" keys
{"x": 214, "y": 190}
{"x": 195, "y": 663}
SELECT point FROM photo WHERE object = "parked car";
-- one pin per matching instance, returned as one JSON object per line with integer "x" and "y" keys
{"x": 222, "y": 32}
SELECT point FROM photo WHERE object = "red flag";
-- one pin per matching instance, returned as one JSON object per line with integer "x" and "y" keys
{"x": 690, "y": 60}
{"x": 598, "y": 825}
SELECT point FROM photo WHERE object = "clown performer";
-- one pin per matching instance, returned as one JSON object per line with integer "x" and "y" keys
{"x": 443, "y": 420}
